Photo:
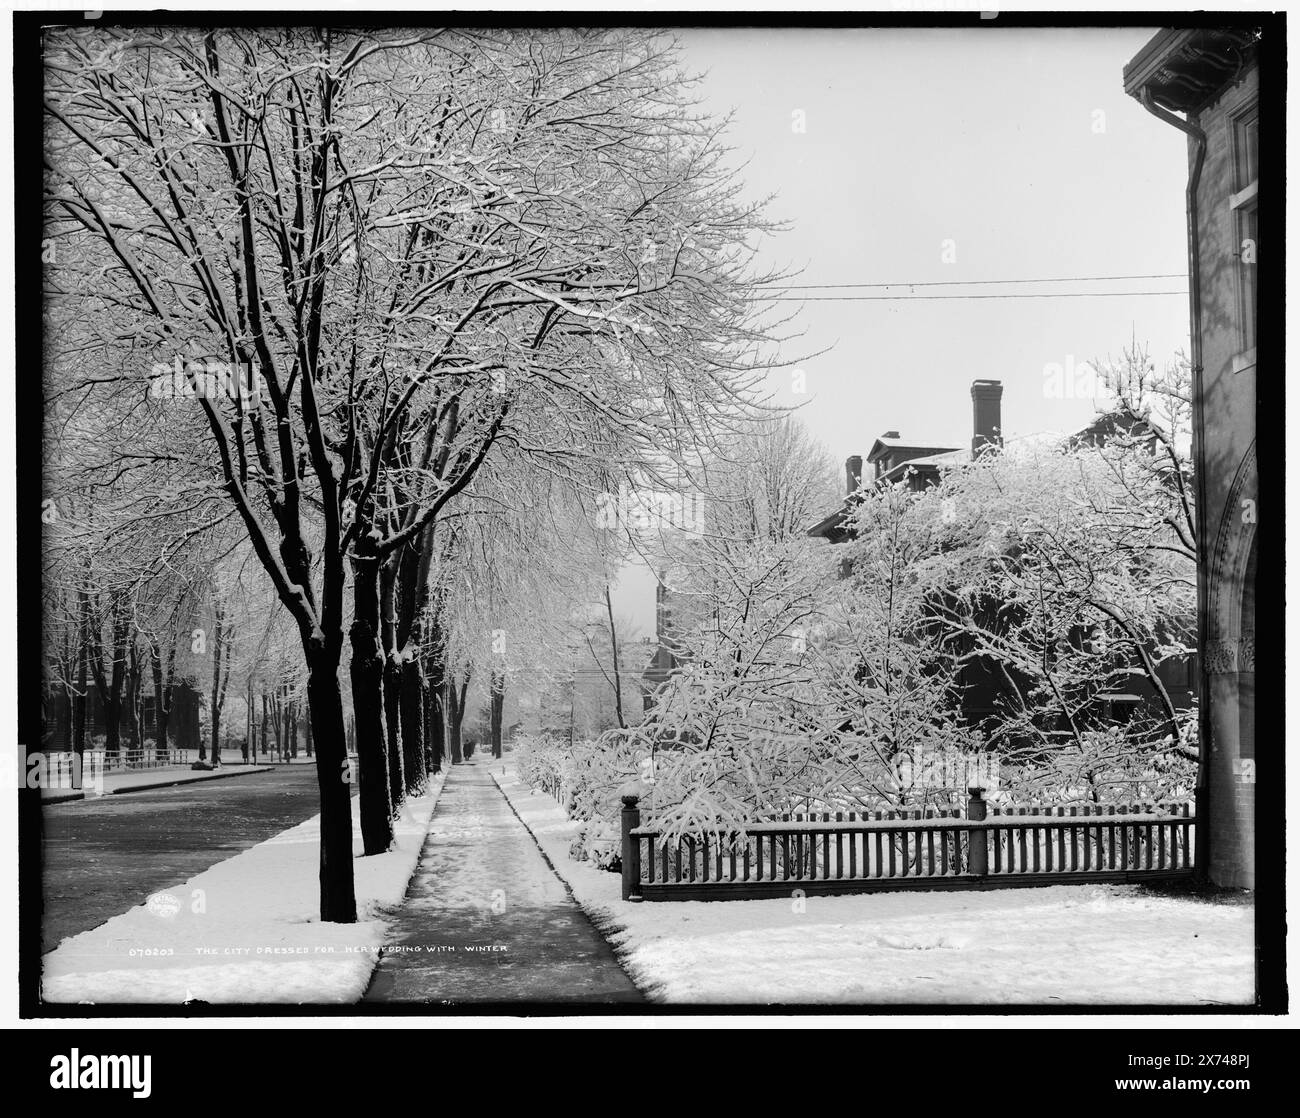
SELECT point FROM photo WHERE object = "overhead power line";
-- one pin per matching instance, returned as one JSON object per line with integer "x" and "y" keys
{"x": 972, "y": 283}
{"x": 925, "y": 298}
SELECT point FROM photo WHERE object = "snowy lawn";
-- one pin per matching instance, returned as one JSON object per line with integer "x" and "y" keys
{"x": 1086, "y": 945}
{"x": 246, "y": 930}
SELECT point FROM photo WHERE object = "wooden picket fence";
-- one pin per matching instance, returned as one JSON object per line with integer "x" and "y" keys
{"x": 940, "y": 849}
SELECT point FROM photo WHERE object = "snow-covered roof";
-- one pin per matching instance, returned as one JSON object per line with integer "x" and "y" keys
{"x": 1014, "y": 448}
{"x": 884, "y": 443}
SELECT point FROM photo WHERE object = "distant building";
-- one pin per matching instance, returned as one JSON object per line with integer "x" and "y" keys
{"x": 1212, "y": 77}
{"x": 892, "y": 459}
{"x": 183, "y": 719}
{"x": 667, "y": 655}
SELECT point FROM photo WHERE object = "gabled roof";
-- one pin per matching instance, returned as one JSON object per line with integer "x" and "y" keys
{"x": 832, "y": 525}
{"x": 883, "y": 444}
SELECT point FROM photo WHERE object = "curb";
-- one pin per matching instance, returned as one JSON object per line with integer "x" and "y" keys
{"x": 250, "y": 771}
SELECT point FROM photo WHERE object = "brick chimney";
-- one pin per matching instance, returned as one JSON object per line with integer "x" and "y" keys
{"x": 853, "y": 472}
{"x": 986, "y": 397}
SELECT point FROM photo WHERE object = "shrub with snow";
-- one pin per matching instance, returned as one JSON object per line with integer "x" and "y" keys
{"x": 599, "y": 843}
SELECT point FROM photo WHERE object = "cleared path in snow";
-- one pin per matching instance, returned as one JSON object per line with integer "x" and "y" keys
{"x": 486, "y": 919}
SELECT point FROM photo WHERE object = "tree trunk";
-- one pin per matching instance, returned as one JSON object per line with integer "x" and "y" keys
{"x": 323, "y": 645}
{"x": 498, "y": 702}
{"x": 409, "y": 601}
{"x": 179, "y": 717}
{"x": 397, "y": 778}
{"x": 131, "y": 702}
{"x": 218, "y": 637}
{"x": 392, "y": 687}
{"x": 276, "y": 721}
{"x": 434, "y": 684}
{"x": 460, "y": 704}
{"x": 613, "y": 644}
{"x": 367, "y": 672}
{"x": 162, "y": 702}
{"x": 431, "y": 758}
{"x": 325, "y": 703}
{"x": 412, "y": 711}
{"x": 413, "y": 565}
{"x": 79, "y": 706}
{"x": 250, "y": 742}
{"x": 79, "y": 700}
{"x": 112, "y": 727}
{"x": 265, "y": 719}
{"x": 111, "y": 684}
{"x": 65, "y": 718}
{"x": 453, "y": 723}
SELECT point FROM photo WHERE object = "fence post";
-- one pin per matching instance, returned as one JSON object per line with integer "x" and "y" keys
{"x": 977, "y": 861}
{"x": 631, "y": 851}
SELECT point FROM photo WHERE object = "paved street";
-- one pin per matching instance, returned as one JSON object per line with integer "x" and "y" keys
{"x": 487, "y": 920}
{"x": 105, "y": 855}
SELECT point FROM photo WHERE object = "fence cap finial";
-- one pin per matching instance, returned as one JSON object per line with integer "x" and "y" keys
{"x": 631, "y": 800}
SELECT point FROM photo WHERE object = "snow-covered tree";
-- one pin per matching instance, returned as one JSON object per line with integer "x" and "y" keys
{"x": 888, "y": 671}
{"x": 372, "y": 260}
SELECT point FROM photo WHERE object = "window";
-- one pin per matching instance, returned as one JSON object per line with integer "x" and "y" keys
{"x": 1247, "y": 147}
{"x": 1244, "y": 204}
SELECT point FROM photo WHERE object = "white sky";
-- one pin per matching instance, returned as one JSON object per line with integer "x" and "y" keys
{"x": 988, "y": 137}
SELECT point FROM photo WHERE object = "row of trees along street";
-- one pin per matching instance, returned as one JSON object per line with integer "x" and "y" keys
{"x": 430, "y": 294}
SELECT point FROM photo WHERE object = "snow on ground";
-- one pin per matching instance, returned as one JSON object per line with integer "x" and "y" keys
{"x": 1061, "y": 945}
{"x": 247, "y": 929}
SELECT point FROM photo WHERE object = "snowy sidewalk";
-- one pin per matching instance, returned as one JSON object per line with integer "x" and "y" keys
{"x": 486, "y": 919}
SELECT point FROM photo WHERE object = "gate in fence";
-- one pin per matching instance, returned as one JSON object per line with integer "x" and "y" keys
{"x": 850, "y": 853}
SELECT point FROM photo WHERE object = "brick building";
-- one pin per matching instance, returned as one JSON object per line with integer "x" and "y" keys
{"x": 1212, "y": 77}
{"x": 184, "y": 729}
